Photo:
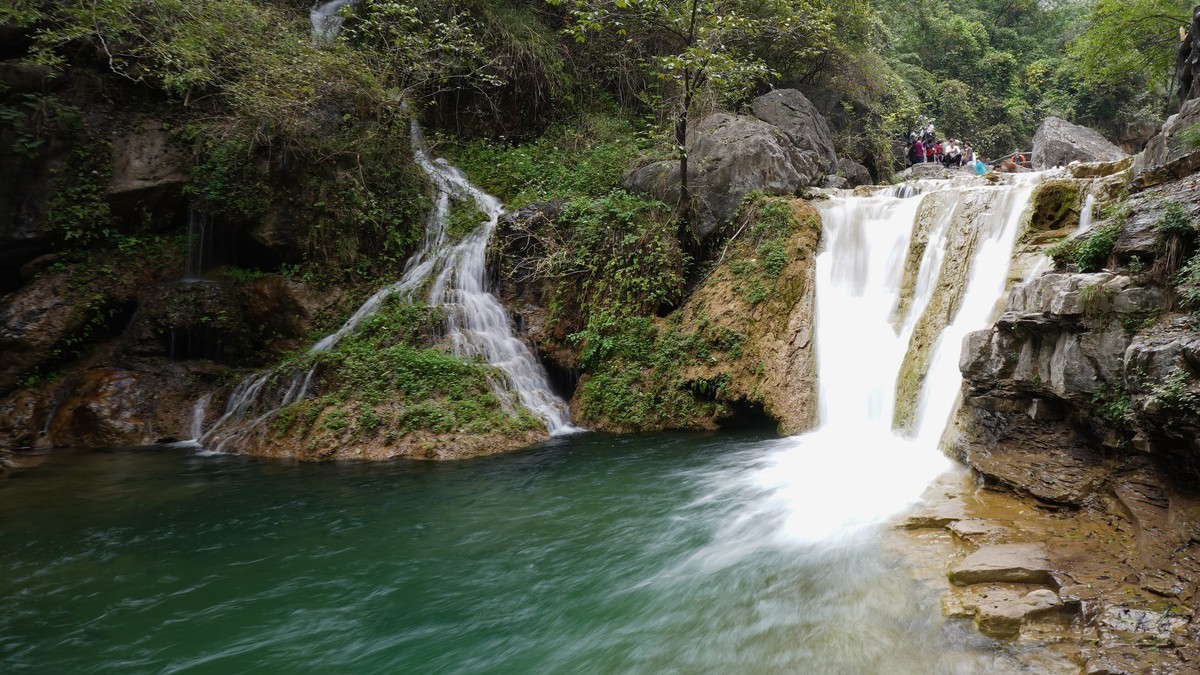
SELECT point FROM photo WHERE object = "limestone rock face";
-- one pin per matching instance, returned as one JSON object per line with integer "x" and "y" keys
{"x": 729, "y": 156}
{"x": 1058, "y": 141}
{"x": 145, "y": 160}
{"x": 796, "y": 116}
{"x": 148, "y": 174}
{"x": 1171, "y": 154}
{"x": 776, "y": 368}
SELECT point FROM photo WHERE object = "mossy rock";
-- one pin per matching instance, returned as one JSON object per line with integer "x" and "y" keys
{"x": 1056, "y": 204}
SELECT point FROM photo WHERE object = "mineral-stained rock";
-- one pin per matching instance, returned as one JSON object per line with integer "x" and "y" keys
{"x": 1057, "y": 141}
{"x": 1006, "y": 563}
{"x": 101, "y": 411}
{"x": 1043, "y": 459}
{"x": 32, "y": 321}
{"x": 796, "y": 116}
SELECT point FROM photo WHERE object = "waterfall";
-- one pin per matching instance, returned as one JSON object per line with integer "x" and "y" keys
{"x": 326, "y": 18}
{"x": 197, "y": 240}
{"x": 903, "y": 276}
{"x": 477, "y": 324}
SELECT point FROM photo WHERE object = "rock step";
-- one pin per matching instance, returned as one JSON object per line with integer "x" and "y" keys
{"x": 1005, "y": 563}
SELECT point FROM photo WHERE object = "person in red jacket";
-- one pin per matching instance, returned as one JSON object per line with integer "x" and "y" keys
{"x": 917, "y": 155}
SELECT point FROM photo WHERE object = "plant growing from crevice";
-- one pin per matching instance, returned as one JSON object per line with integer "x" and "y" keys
{"x": 1176, "y": 241}
{"x": 1089, "y": 253}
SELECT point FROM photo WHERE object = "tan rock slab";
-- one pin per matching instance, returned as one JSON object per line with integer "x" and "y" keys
{"x": 1000, "y": 563}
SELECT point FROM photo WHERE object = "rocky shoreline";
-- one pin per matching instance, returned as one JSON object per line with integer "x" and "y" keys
{"x": 1097, "y": 587}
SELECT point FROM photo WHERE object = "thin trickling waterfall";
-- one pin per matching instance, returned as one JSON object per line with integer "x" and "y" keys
{"x": 477, "y": 324}
{"x": 902, "y": 277}
{"x": 327, "y": 18}
{"x": 197, "y": 240}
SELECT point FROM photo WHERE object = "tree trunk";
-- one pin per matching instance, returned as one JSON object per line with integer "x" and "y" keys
{"x": 685, "y": 191}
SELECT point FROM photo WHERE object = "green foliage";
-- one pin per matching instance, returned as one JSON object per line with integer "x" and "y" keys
{"x": 79, "y": 210}
{"x": 1187, "y": 281}
{"x": 254, "y": 57}
{"x": 624, "y": 248}
{"x": 717, "y": 48}
{"x": 1088, "y": 253}
{"x": 1175, "y": 221}
{"x": 636, "y": 381}
{"x": 1113, "y": 406}
{"x": 1096, "y": 299}
{"x": 762, "y": 257}
{"x": 1189, "y": 138}
{"x": 30, "y": 118}
{"x": 1129, "y": 39}
{"x": 585, "y": 158}
{"x": 1173, "y": 396}
{"x": 227, "y": 181}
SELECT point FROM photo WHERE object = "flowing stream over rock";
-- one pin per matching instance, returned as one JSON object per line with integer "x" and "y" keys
{"x": 587, "y": 553}
{"x": 326, "y": 18}
{"x": 477, "y": 324}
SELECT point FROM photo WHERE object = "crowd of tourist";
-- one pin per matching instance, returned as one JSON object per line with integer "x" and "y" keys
{"x": 924, "y": 146}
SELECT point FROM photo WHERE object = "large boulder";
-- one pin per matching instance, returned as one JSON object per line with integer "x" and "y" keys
{"x": 1057, "y": 141}
{"x": 855, "y": 174}
{"x": 1174, "y": 152}
{"x": 729, "y": 156}
{"x": 797, "y": 117}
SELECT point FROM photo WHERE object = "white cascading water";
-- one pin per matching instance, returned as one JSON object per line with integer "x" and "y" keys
{"x": 326, "y": 18}
{"x": 477, "y": 324}
{"x": 854, "y": 470}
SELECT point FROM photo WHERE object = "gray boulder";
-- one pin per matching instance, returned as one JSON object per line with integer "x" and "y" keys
{"x": 1057, "y": 141}
{"x": 729, "y": 155}
{"x": 797, "y": 117}
{"x": 855, "y": 174}
{"x": 1172, "y": 153}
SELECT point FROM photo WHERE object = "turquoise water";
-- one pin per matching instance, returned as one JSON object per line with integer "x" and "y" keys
{"x": 587, "y": 554}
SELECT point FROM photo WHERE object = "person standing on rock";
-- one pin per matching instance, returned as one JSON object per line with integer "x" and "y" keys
{"x": 917, "y": 154}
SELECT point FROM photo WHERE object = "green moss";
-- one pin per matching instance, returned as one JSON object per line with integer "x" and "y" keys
{"x": 1055, "y": 202}
{"x": 464, "y": 219}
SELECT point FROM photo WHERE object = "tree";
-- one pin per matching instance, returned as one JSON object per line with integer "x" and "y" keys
{"x": 1126, "y": 41}
{"x": 696, "y": 45}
